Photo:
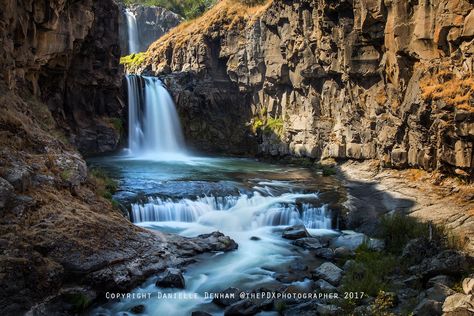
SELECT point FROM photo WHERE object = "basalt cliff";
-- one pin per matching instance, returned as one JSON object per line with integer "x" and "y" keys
{"x": 362, "y": 79}
{"x": 62, "y": 242}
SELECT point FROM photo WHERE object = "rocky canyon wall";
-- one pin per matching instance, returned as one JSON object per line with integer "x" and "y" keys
{"x": 152, "y": 23}
{"x": 362, "y": 79}
{"x": 67, "y": 54}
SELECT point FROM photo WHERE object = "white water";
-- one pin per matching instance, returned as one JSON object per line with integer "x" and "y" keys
{"x": 240, "y": 217}
{"x": 235, "y": 212}
{"x": 132, "y": 28}
{"x": 153, "y": 125}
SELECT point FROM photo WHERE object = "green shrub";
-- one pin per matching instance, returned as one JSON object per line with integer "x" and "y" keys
{"x": 368, "y": 273}
{"x": 106, "y": 186}
{"x": 133, "y": 60}
{"x": 398, "y": 229}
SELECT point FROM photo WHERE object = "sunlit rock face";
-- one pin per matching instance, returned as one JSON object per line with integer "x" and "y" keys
{"x": 328, "y": 79}
{"x": 151, "y": 22}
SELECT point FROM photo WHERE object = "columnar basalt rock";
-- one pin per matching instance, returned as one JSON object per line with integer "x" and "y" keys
{"x": 67, "y": 54}
{"x": 327, "y": 79}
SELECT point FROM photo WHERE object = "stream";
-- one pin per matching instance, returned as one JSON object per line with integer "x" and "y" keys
{"x": 250, "y": 201}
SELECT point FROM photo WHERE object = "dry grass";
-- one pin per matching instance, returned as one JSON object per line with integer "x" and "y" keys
{"x": 454, "y": 91}
{"x": 224, "y": 17}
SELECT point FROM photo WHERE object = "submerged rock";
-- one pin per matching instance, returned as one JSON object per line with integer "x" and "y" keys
{"x": 171, "y": 278}
{"x": 295, "y": 232}
{"x": 329, "y": 272}
{"x": 138, "y": 309}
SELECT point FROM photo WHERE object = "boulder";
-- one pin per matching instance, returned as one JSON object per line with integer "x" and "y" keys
{"x": 308, "y": 243}
{"x": 353, "y": 240}
{"x": 416, "y": 250}
{"x": 171, "y": 278}
{"x": 325, "y": 253}
{"x": 229, "y": 297}
{"x": 19, "y": 177}
{"x": 6, "y": 192}
{"x": 440, "y": 279}
{"x": 295, "y": 232}
{"x": 448, "y": 262}
{"x": 343, "y": 252}
{"x": 241, "y": 308}
{"x": 324, "y": 286}
{"x": 329, "y": 310}
{"x": 329, "y": 272}
{"x": 468, "y": 285}
{"x": 458, "y": 305}
{"x": 428, "y": 307}
{"x": 439, "y": 292}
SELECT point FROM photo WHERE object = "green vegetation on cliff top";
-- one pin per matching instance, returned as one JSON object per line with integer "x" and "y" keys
{"x": 189, "y": 9}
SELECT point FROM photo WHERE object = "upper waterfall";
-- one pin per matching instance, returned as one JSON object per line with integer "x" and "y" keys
{"x": 154, "y": 128}
{"x": 132, "y": 30}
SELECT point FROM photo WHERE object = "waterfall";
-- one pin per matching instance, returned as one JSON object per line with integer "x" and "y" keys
{"x": 154, "y": 128}
{"x": 235, "y": 212}
{"x": 132, "y": 28}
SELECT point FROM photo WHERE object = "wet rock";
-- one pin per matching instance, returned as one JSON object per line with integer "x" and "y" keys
{"x": 325, "y": 253}
{"x": 328, "y": 310}
{"x": 448, "y": 262}
{"x": 440, "y": 279}
{"x": 229, "y": 296}
{"x": 439, "y": 292}
{"x": 171, "y": 278}
{"x": 324, "y": 286}
{"x": 6, "y": 192}
{"x": 309, "y": 243}
{"x": 329, "y": 272}
{"x": 298, "y": 266}
{"x": 343, "y": 252}
{"x": 352, "y": 241}
{"x": 225, "y": 243}
{"x": 416, "y": 250}
{"x": 304, "y": 309}
{"x": 255, "y": 238}
{"x": 428, "y": 307}
{"x": 295, "y": 232}
{"x": 468, "y": 285}
{"x": 241, "y": 308}
{"x": 139, "y": 309}
{"x": 200, "y": 313}
{"x": 458, "y": 305}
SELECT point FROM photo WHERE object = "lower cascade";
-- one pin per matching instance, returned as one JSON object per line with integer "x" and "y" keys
{"x": 154, "y": 128}
{"x": 235, "y": 212}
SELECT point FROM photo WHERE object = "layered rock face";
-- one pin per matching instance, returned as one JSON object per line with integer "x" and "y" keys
{"x": 152, "y": 23}
{"x": 67, "y": 53}
{"x": 386, "y": 80}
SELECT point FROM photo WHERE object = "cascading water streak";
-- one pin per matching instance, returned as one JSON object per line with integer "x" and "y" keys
{"x": 132, "y": 28}
{"x": 154, "y": 127}
{"x": 235, "y": 212}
